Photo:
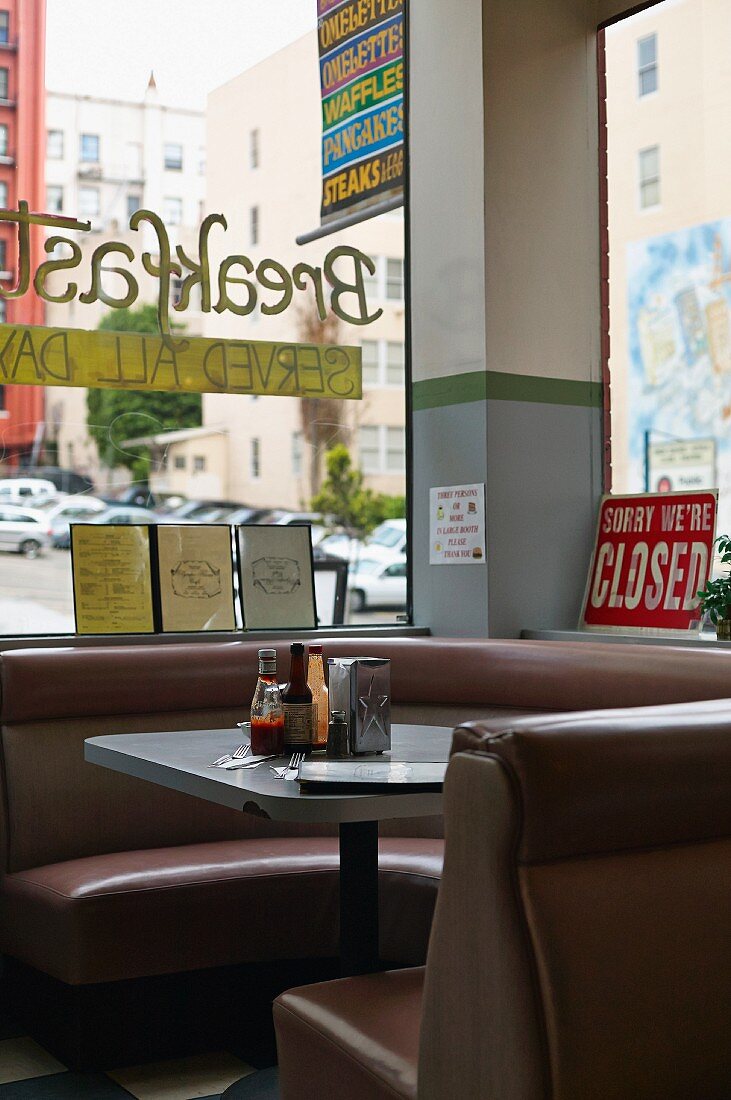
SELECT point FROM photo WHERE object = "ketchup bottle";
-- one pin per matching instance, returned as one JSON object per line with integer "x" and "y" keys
{"x": 267, "y": 711}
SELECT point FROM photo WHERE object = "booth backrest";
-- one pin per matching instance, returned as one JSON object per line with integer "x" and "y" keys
{"x": 593, "y": 854}
{"x": 57, "y": 807}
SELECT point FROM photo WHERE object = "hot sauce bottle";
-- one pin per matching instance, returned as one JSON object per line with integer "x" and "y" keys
{"x": 316, "y": 684}
{"x": 297, "y": 699}
{"x": 267, "y": 710}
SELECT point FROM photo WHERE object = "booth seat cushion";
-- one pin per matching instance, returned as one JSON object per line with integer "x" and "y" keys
{"x": 158, "y": 911}
{"x": 358, "y": 1037}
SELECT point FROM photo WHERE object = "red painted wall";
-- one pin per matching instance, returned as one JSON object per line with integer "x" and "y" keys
{"x": 24, "y": 115}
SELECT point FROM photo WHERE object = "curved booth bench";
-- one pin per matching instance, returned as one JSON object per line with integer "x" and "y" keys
{"x": 106, "y": 878}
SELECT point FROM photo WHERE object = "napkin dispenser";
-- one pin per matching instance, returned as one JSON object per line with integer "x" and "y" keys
{"x": 361, "y": 686}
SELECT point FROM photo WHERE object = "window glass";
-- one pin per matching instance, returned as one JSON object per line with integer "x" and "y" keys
{"x": 4, "y": 148}
{"x": 649, "y": 160}
{"x": 3, "y": 194}
{"x": 3, "y": 255}
{"x": 4, "y": 27}
{"x": 54, "y": 199}
{"x": 239, "y": 133}
{"x": 173, "y": 157}
{"x": 54, "y": 144}
{"x": 647, "y": 64}
{"x": 89, "y": 148}
{"x": 88, "y": 201}
{"x": 4, "y": 84}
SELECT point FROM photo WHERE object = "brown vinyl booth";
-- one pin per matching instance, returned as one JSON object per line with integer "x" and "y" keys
{"x": 581, "y": 946}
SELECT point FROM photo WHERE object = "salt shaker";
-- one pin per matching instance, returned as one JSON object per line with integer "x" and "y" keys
{"x": 338, "y": 742}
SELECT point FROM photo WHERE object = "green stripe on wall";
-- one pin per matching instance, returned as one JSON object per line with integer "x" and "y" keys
{"x": 459, "y": 389}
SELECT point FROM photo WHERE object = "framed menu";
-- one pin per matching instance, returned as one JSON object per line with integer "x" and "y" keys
{"x": 112, "y": 579}
{"x": 276, "y": 576}
{"x": 195, "y": 573}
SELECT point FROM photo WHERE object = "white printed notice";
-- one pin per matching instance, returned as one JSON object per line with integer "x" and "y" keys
{"x": 457, "y": 525}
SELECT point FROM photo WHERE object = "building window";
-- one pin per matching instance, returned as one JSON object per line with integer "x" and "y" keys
{"x": 199, "y": 464}
{"x": 381, "y": 450}
{"x": 3, "y": 319}
{"x": 254, "y": 225}
{"x": 89, "y": 202}
{"x": 54, "y": 144}
{"x": 179, "y": 462}
{"x": 3, "y": 257}
{"x": 173, "y": 211}
{"x": 395, "y": 280}
{"x": 254, "y": 149}
{"x": 54, "y": 199}
{"x": 4, "y": 27}
{"x": 296, "y": 454}
{"x": 3, "y": 194}
{"x": 394, "y": 363}
{"x": 173, "y": 157}
{"x": 255, "y": 459}
{"x": 176, "y": 290}
{"x": 89, "y": 149}
{"x": 395, "y": 450}
{"x": 4, "y": 84}
{"x": 649, "y": 160}
{"x": 134, "y": 202}
{"x": 370, "y": 282}
{"x": 647, "y": 64}
{"x": 369, "y": 353}
{"x": 4, "y": 143}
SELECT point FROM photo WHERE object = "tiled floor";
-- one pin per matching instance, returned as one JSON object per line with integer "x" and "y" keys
{"x": 28, "y": 1072}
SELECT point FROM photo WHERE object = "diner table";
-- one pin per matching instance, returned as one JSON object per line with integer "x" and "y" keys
{"x": 182, "y": 761}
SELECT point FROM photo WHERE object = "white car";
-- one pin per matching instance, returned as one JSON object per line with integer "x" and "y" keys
{"x": 78, "y": 508}
{"x": 25, "y": 530}
{"x": 378, "y": 584}
{"x": 23, "y": 490}
{"x": 389, "y": 538}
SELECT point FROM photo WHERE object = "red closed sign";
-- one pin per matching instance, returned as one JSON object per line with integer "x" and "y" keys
{"x": 653, "y": 552}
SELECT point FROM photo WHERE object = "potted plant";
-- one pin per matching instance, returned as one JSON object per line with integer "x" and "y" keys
{"x": 716, "y": 596}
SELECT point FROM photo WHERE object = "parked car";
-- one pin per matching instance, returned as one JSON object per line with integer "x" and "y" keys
{"x": 64, "y": 481}
{"x": 246, "y": 514}
{"x": 378, "y": 584}
{"x": 25, "y": 530}
{"x": 128, "y": 514}
{"x": 389, "y": 536}
{"x": 61, "y": 511}
{"x": 23, "y": 490}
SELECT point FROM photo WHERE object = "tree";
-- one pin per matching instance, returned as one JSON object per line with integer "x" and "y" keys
{"x": 321, "y": 418}
{"x": 115, "y": 415}
{"x": 343, "y": 497}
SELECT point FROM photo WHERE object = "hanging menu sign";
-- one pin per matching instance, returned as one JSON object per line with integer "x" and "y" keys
{"x": 653, "y": 553}
{"x": 112, "y": 579}
{"x": 457, "y": 525}
{"x": 361, "y": 44}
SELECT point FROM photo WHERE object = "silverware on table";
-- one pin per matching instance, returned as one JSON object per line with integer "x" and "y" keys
{"x": 238, "y": 754}
{"x": 243, "y": 765}
{"x": 293, "y": 766}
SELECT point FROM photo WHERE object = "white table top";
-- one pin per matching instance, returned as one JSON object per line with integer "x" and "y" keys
{"x": 181, "y": 761}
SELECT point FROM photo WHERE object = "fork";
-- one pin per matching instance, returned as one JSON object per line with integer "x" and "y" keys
{"x": 238, "y": 754}
{"x": 294, "y": 763}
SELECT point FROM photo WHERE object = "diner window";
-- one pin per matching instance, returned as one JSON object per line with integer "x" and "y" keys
{"x": 172, "y": 211}
{"x": 173, "y": 157}
{"x": 254, "y": 225}
{"x": 255, "y": 459}
{"x": 4, "y": 140}
{"x": 54, "y": 199}
{"x": 254, "y": 149}
{"x": 649, "y": 171}
{"x": 89, "y": 148}
{"x": 3, "y": 194}
{"x": 4, "y": 83}
{"x": 4, "y": 27}
{"x": 395, "y": 280}
{"x": 89, "y": 202}
{"x": 54, "y": 144}
{"x": 647, "y": 64}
